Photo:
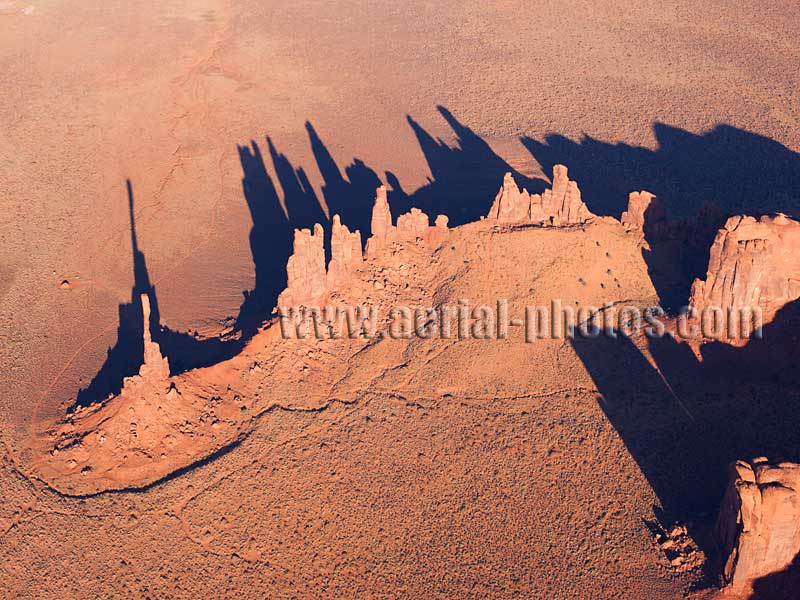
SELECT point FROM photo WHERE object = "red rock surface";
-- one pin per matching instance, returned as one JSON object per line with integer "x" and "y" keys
{"x": 507, "y": 481}
{"x": 759, "y": 523}
{"x": 345, "y": 253}
{"x": 753, "y": 263}
{"x": 561, "y": 205}
{"x": 305, "y": 271}
{"x": 644, "y": 212}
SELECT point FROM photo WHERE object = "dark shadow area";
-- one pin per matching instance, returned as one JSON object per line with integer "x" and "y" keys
{"x": 351, "y": 198}
{"x": 738, "y": 171}
{"x": 783, "y": 585}
{"x": 183, "y": 350}
{"x": 464, "y": 179}
{"x": 270, "y": 240}
{"x": 717, "y": 174}
{"x": 685, "y": 420}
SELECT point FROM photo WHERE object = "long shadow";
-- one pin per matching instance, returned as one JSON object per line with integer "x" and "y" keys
{"x": 270, "y": 245}
{"x": 351, "y": 197}
{"x": 270, "y": 239}
{"x": 730, "y": 169}
{"x": 183, "y": 350}
{"x": 464, "y": 179}
{"x": 463, "y": 183}
{"x": 685, "y": 420}
{"x": 737, "y": 170}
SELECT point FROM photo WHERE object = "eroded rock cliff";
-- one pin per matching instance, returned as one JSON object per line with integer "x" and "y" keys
{"x": 753, "y": 263}
{"x": 759, "y": 523}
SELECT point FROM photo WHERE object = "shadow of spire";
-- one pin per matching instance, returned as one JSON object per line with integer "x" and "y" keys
{"x": 736, "y": 170}
{"x": 270, "y": 240}
{"x": 302, "y": 206}
{"x": 464, "y": 179}
{"x": 702, "y": 178}
{"x": 351, "y": 198}
{"x": 183, "y": 350}
{"x": 125, "y": 357}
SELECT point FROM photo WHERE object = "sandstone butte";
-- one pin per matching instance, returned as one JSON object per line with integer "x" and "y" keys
{"x": 160, "y": 424}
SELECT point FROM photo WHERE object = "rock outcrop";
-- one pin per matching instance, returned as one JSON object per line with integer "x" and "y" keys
{"x": 758, "y": 528}
{"x": 412, "y": 227}
{"x": 645, "y": 214}
{"x": 560, "y": 205}
{"x": 381, "y": 224}
{"x": 305, "y": 270}
{"x": 155, "y": 367}
{"x": 345, "y": 253}
{"x": 307, "y": 278}
{"x": 155, "y": 425}
{"x": 753, "y": 263}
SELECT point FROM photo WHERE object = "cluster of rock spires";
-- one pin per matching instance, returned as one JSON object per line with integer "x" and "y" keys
{"x": 561, "y": 205}
{"x": 758, "y": 528}
{"x": 412, "y": 227}
{"x": 306, "y": 274}
{"x": 753, "y": 263}
{"x": 308, "y": 279}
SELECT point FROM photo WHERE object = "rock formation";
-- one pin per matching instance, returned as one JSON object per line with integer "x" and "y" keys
{"x": 753, "y": 263}
{"x": 512, "y": 204}
{"x": 758, "y": 528}
{"x": 561, "y": 205}
{"x": 412, "y": 227}
{"x": 305, "y": 270}
{"x": 645, "y": 214}
{"x": 307, "y": 279}
{"x": 381, "y": 222}
{"x": 155, "y": 367}
{"x": 345, "y": 253}
{"x": 155, "y": 425}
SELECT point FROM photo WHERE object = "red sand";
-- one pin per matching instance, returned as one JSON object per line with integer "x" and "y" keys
{"x": 517, "y": 487}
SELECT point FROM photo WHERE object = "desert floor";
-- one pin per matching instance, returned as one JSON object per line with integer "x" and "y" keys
{"x": 225, "y": 117}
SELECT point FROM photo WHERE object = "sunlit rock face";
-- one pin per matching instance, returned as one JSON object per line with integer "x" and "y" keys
{"x": 759, "y": 523}
{"x": 561, "y": 205}
{"x": 753, "y": 263}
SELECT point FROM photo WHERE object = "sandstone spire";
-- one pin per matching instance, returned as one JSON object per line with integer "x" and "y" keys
{"x": 305, "y": 270}
{"x": 645, "y": 213}
{"x": 758, "y": 528}
{"x": 412, "y": 227}
{"x": 345, "y": 253}
{"x": 561, "y": 205}
{"x": 381, "y": 221}
{"x": 511, "y": 205}
{"x": 563, "y": 202}
{"x": 155, "y": 366}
